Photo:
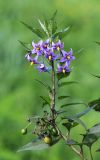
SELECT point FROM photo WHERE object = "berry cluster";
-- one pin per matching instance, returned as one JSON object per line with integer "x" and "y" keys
{"x": 51, "y": 51}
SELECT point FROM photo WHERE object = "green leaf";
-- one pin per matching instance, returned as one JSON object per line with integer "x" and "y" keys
{"x": 25, "y": 45}
{"x": 71, "y": 104}
{"x": 61, "y": 34}
{"x": 46, "y": 100}
{"x": 75, "y": 119}
{"x": 44, "y": 84}
{"x": 95, "y": 102}
{"x": 97, "y": 42}
{"x": 36, "y": 144}
{"x": 92, "y": 135}
{"x": 95, "y": 130}
{"x": 61, "y": 111}
{"x": 63, "y": 97}
{"x": 70, "y": 125}
{"x": 77, "y": 116}
{"x": 66, "y": 83}
{"x": 72, "y": 142}
{"x": 52, "y": 23}
{"x": 36, "y": 31}
{"x": 62, "y": 75}
{"x": 97, "y": 76}
{"x": 44, "y": 27}
{"x": 89, "y": 139}
{"x": 98, "y": 150}
{"x": 84, "y": 112}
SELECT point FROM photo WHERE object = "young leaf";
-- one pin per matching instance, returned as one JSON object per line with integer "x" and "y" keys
{"x": 61, "y": 34}
{"x": 66, "y": 83}
{"x": 44, "y": 27}
{"x": 44, "y": 84}
{"x": 63, "y": 97}
{"x": 53, "y": 23}
{"x": 95, "y": 102}
{"x": 71, "y": 104}
{"x": 36, "y": 144}
{"x": 62, "y": 75}
{"x": 25, "y": 45}
{"x": 36, "y": 31}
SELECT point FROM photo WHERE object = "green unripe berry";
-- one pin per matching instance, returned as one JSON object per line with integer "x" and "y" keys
{"x": 54, "y": 132}
{"x": 24, "y": 131}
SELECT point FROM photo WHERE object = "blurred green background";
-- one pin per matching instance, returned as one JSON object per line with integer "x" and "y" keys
{"x": 19, "y": 93}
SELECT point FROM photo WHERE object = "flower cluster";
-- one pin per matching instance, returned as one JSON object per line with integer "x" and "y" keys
{"x": 50, "y": 51}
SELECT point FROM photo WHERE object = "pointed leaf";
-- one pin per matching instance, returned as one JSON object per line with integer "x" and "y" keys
{"x": 53, "y": 23}
{"x": 89, "y": 139}
{"x": 46, "y": 100}
{"x": 61, "y": 34}
{"x": 61, "y": 111}
{"x": 36, "y": 31}
{"x": 70, "y": 125}
{"x": 78, "y": 121}
{"x": 72, "y": 142}
{"x": 92, "y": 135}
{"x": 76, "y": 117}
{"x": 95, "y": 130}
{"x": 71, "y": 104}
{"x": 98, "y": 150}
{"x": 97, "y": 42}
{"x": 84, "y": 112}
{"x": 95, "y": 102}
{"x": 44, "y": 84}
{"x": 44, "y": 27}
{"x": 62, "y": 75}
{"x": 66, "y": 83}
{"x": 97, "y": 76}
{"x": 36, "y": 144}
{"x": 25, "y": 45}
{"x": 63, "y": 97}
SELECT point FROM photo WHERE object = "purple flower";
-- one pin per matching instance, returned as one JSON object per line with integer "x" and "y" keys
{"x": 50, "y": 55}
{"x": 43, "y": 68}
{"x": 37, "y": 48}
{"x": 57, "y": 46}
{"x": 67, "y": 56}
{"x": 63, "y": 69}
{"x": 45, "y": 45}
{"x": 32, "y": 60}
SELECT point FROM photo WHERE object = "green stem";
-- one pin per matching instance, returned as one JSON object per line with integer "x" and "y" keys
{"x": 91, "y": 153}
{"x": 78, "y": 152}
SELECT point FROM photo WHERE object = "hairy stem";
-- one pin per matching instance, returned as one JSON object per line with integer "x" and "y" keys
{"x": 53, "y": 91}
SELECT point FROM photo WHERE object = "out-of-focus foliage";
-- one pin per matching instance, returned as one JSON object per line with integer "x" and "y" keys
{"x": 19, "y": 92}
